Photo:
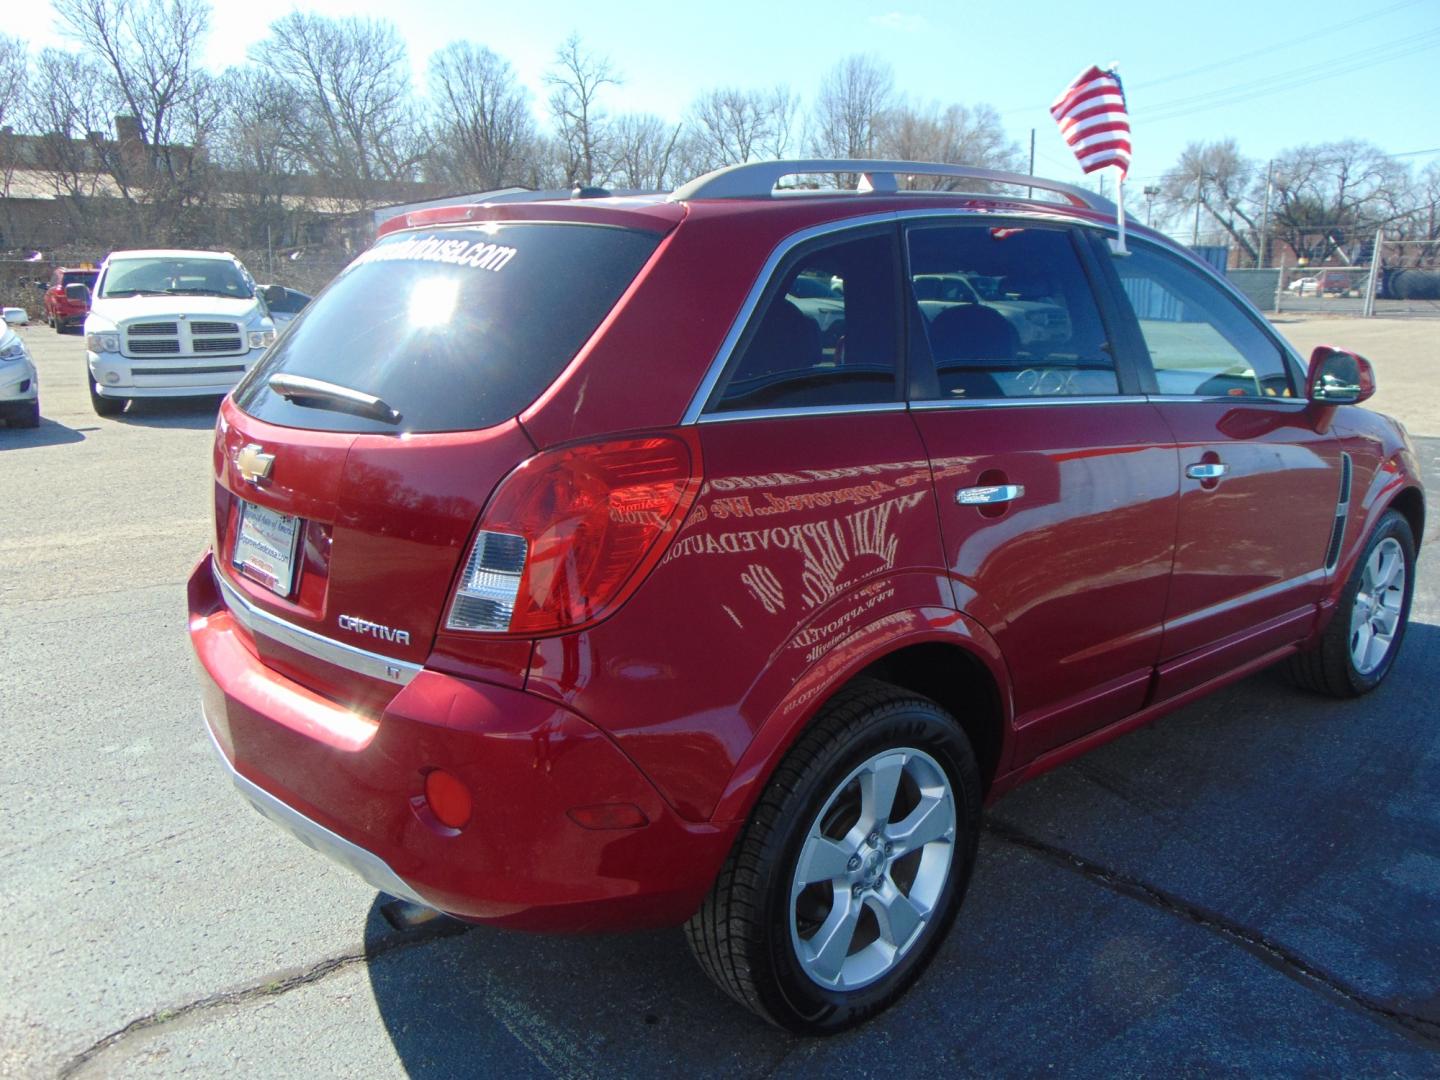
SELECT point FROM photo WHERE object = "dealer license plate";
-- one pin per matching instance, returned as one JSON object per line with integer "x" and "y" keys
{"x": 265, "y": 547}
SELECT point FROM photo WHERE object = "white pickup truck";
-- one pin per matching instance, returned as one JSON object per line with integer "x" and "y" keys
{"x": 170, "y": 323}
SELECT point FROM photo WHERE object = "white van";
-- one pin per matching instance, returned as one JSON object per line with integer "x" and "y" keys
{"x": 171, "y": 323}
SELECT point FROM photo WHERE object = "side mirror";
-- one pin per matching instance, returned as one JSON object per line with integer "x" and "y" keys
{"x": 1339, "y": 378}
{"x": 79, "y": 293}
{"x": 272, "y": 294}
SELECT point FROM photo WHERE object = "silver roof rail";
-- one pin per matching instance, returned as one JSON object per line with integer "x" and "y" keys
{"x": 757, "y": 179}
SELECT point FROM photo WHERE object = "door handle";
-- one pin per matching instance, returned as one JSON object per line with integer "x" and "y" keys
{"x": 1207, "y": 471}
{"x": 988, "y": 496}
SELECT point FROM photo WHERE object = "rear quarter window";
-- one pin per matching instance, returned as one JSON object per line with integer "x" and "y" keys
{"x": 456, "y": 329}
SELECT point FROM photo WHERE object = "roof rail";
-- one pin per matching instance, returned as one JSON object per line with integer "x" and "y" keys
{"x": 757, "y": 179}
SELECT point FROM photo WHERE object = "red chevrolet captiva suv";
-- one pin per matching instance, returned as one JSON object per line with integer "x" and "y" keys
{"x": 713, "y": 557}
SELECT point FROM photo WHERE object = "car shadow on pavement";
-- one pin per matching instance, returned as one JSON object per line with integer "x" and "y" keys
{"x": 49, "y": 433}
{"x": 1254, "y": 863}
{"x": 194, "y": 414}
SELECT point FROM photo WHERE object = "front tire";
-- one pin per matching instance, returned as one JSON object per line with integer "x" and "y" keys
{"x": 1359, "y": 646}
{"x": 29, "y": 418}
{"x": 104, "y": 406}
{"x": 855, "y": 860}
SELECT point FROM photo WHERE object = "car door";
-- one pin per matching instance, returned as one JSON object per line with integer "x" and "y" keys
{"x": 1260, "y": 479}
{"x": 1056, "y": 480}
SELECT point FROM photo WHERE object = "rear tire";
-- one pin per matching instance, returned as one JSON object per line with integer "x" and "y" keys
{"x": 104, "y": 406}
{"x": 851, "y": 869}
{"x": 1359, "y": 647}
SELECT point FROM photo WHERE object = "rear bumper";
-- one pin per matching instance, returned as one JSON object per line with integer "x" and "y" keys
{"x": 351, "y": 785}
{"x": 373, "y": 869}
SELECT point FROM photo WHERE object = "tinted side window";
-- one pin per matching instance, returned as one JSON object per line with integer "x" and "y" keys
{"x": 825, "y": 334}
{"x": 1008, "y": 312}
{"x": 1201, "y": 342}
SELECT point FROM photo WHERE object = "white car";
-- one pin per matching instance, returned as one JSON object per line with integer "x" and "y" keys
{"x": 19, "y": 383}
{"x": 170, "y": 323}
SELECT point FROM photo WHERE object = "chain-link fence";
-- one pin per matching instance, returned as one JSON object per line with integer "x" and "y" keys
{"x": 1403, "y": 281}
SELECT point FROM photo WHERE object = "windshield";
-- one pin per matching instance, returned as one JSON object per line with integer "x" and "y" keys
{"x": 456, "y": 329}
{"x": 176, "y": 276}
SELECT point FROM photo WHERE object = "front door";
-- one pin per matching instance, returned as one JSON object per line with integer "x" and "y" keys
{"x": 1056, "y": 480}
{"x": 1258, "y": 482}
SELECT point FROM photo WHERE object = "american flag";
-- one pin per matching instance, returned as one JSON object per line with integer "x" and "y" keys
{"x": 1092, "y": 118}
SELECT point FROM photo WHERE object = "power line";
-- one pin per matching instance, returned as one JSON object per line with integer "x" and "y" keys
{"x": 1284, "y": 43}
{"x": 1292, "y": 79}
{"x": 1369, "y": 16}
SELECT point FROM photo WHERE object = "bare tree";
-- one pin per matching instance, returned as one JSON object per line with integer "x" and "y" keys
{"x": 1328, "y": 200}
{"x": 149, "y": 53}
{"x": 1217, "y": 179}
{"x": 68, "y": 108}
{"x": 957, "y": 134}
{"x": 14, "y": 65}
{"x": 483, "y": 126}
{"x": 354, "y": 122}
{"x": 731, "y": 126}
{"x": 644, "y": 152}
{"x": 850, "y": 108}
{"x": 14, "y": 71}
{"x": 260, "y": 171}
{"x": 582, "y": 126}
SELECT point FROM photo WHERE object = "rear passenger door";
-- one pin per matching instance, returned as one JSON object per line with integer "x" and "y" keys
{"x": 1056, "y": 480}
{"x": 1259, "y": 483}
{"x": 817, "y": 508}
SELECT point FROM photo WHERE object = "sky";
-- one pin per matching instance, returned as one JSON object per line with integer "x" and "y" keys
{"x": 1270, "y": 75}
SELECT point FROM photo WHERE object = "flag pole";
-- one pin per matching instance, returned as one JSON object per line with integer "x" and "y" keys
{"x": 1117, "y": 247}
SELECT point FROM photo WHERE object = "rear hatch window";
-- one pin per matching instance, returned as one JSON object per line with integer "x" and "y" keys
{"x": 456, "y": 329}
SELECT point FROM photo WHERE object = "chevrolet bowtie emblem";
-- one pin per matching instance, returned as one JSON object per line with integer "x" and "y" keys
{"x": 254, "y": 464}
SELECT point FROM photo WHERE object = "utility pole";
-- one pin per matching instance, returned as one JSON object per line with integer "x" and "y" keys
{"x": 1030, "y": 192}
{"x": 1264, "y": 218}
{"x": 1195, "y": 232}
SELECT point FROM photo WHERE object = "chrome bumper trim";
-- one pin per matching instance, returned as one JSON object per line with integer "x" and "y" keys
{"x": 361, "y": 661}
{"x": 374, "y": 870}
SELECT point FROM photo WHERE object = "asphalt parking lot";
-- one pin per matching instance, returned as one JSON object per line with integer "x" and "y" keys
{"x": 1250, "y": 885}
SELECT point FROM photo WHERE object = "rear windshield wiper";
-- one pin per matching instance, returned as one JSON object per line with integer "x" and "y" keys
{"x": 317, "y": 394}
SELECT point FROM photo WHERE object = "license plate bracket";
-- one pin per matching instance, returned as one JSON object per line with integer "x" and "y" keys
{"x": 265, "y": 545}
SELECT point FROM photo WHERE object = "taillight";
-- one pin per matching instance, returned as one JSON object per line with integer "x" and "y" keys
{"x": 571, "y": 532}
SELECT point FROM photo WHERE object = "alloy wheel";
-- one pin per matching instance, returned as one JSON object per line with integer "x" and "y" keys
{"x": 872, "y": 868}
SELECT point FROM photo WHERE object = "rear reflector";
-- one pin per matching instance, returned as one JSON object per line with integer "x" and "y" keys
{"x": 570, "y": 533}
{"x": 448, "y": 798}
{"x": 609, "y": 816}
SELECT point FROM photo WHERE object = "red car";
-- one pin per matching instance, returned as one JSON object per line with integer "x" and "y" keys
{"x": 62, "y": 312}
{"x": 568, "y": 575}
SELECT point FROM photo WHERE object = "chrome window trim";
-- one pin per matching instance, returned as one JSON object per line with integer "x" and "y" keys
{"x": 1290, "y": 404}
{"x": 695, "y": 409}
{"x": 360, "y": 661}
{"x": 801, "y": 410}
{"x": 1028, "y": 402}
